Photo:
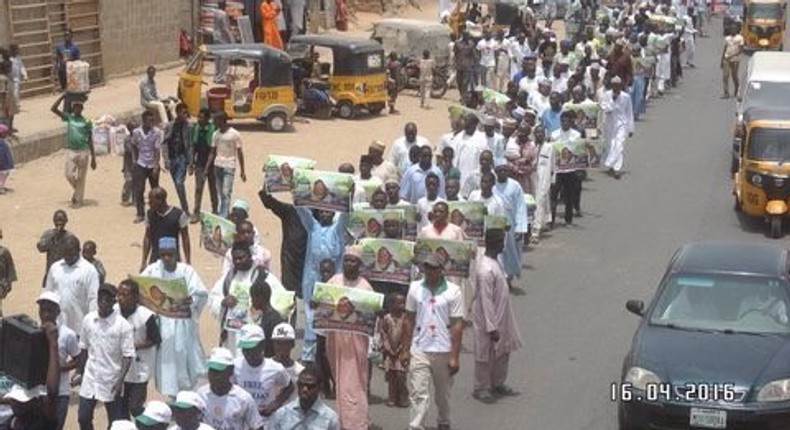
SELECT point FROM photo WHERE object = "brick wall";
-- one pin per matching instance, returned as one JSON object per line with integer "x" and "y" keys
{"x": 136, "y": 33}
{"x": 5, "y": 26}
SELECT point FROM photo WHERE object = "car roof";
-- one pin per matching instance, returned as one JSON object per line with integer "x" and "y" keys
{"x": 732, "y": 257}
{"x": 769, "y": 67}
{"x": 778, "y": 113}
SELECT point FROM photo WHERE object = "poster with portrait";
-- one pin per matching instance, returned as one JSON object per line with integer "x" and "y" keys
{"x": 368, "y": 186}
{"x": 387, "y": 260}
{"x": 278, "y": 171}
{"x": 372, "y": 222}
{"x": 166, "y": 297}
{"x": 216, "y": 233}
{"x": 323, "y": 190}
{"x": 344, "y": 309}
{"x": 571, "y": 156}
{"x": 456, "y": 255}
{"x": 586, "y": 117}
{"x": 470, "y": 216}
{"x": 493, "y": 222}
{"x": 410, "y": 223}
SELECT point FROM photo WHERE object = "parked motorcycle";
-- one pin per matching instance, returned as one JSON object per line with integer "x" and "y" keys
{"x": 410, "y": 78}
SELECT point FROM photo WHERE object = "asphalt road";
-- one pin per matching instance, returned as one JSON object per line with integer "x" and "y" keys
{"x": 572, "y": 315}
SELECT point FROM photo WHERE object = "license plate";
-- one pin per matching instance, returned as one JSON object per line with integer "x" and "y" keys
{"x": 708, "y": 418}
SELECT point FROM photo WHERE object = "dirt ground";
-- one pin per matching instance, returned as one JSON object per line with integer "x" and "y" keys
{"x": 39, "y": 188}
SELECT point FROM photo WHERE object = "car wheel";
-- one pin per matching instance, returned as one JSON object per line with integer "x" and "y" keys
{"x": 276, "y": 122}
{"x": 621, "y": 424}
{"x": 775, "y": 226}
{"x": 345, "y": 109}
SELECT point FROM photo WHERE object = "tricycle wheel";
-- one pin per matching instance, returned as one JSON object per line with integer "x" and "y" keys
{"x": 438, "y": 86}
{"x": 775, "y": 226}
{"x": 276, "y": 121}
{"x": 345, "y": 109}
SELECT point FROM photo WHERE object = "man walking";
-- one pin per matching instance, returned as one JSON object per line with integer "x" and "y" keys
{"x": 226, "y": 155}
{"x": 618, "y": 125}
{"x": 495, "y": 329}
{"x": 731, "y": 61}
{"x": 434, "y": 329}
{"x": 200, "y": 138}
{"x": 163, "y": 220}
{"x": 79, "y": 146}
{"x": 177, "y": 152}
{"x": 146, "y": 150}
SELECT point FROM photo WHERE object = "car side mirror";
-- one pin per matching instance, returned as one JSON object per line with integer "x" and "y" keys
{"x": 636, "y": 307}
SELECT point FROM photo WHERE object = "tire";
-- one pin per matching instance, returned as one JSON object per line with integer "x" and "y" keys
{"x": 276, "y": 122}
{"x": 775, "y": 226}
{"x": 438, "y": 86}
{"x": 376, "y": 108}
{"x": 345, "y": 109}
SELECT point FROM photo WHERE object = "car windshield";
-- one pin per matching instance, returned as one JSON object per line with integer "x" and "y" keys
{"x": 765, "y": 11}
{"x": 769, "y": 144}
{"x": 761, "y": 94}
{"x": 725, "y": 303}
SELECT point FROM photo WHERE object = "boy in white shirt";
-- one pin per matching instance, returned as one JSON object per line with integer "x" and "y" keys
{"x": 228, "y": 406}
{"x": 283, "y": 340}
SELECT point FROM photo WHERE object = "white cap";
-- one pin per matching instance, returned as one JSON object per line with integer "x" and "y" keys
{"x": 155, "y": 412}
{"x": 283, "y": 331}
{"x": 220, "y": 359}
{"x": 123, "y": 425}
{"x": 616, "y": 80}
{"x": 49, "y": 296}
{"x": 250, "y": 336}
{"x": 22, "y": 395}
{"x": 189, "y": 399}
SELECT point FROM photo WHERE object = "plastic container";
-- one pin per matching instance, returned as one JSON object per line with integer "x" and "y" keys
{"x": 77, "y": 77}
{"x": 216, "y": 98}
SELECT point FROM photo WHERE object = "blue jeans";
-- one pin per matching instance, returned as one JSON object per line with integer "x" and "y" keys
{"x": 178, "y": 171}
{"x": 224, "y": 178}
{"x": 638, "y": 96}
{"x": 87, "y": 406}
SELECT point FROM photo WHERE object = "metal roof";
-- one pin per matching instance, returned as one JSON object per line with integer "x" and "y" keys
{"x": 769, "y": 67}
{"x": 355, "y": 44}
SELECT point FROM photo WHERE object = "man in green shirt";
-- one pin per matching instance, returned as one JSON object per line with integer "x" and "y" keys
{"x": 79, "y": 146}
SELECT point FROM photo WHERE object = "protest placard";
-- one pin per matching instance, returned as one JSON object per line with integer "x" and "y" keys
{"x": 470, "y": 216}
{"x": 166, "y": 297}
{"x": 216, "y": 233}
{"x": 344, "y": 309}
{"x": 278, "y": 171}
{"x": 372, "y": 222}
{"x": 323, "y": 190}
{"x": 456, "y": 255}
{"x": 387, "y": 260}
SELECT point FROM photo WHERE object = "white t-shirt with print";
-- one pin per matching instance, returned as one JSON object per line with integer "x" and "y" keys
{"x": 264, "y": 382}
{"x": 433, "y": 315}
{"x": 233, "y": 411}
{"x": 226, "y": 144}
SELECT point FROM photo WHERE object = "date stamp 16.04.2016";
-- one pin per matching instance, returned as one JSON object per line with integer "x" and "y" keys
{"x": 665, "y": 392}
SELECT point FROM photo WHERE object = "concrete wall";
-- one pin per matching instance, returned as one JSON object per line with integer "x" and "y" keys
{"x": 136, "y": 33}
{"x": 5, "y": 26}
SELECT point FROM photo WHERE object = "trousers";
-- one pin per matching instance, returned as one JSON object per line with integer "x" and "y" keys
{"x": 568, "y": 185}
{"x": 77, "y": 172}
{"x": 87, "y": 407}
{"x": 426, "y": 369}
{"x": 201, "y": 177}
{"x": 139, "y": 175}
{"x": 178, "y": 171}
{"x": 491, "y": 373}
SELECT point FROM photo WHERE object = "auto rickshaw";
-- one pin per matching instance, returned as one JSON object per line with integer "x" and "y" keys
{"x": 764, "y": 24}
{"x": 357, "y": 75}
{"x": 761, "y": 185}
{"x": 260, "y": 84}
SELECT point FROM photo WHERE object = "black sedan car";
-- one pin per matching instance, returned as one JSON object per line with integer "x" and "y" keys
{"x": 713, "y": 348}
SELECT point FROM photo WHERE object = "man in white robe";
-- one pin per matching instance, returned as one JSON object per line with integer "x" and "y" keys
{"x": 468, "y": 146}
{"x": 180, "y": 360}
{"x": 399, "y": 154}
{"x": 618, "y": 123}
{"x": 542, "y": 184}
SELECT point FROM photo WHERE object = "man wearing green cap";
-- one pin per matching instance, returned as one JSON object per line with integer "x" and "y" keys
{"x": 265, "y": 379}
{"x": 188, "y": 411}
{"x": 156, "y": 416}
{"x": 228, "y": 406}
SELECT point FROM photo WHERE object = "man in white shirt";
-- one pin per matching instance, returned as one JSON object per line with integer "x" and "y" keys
{"x": 468, "y": 146}
{"x": 68, "y": 350}
{"x": 487, "y": 47}
{"x": 731, "y": 61}
{"x": 265, "y": 379}
{"x": 226, "y": 155}
{"x": 399, "y": 154}
{"x": 228, "y": 406}
{"x": 76, "y": 281}
{"x": 434, "y": 328}
{"x": 146, "y": 340}
{"x": 107, "y": 344}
